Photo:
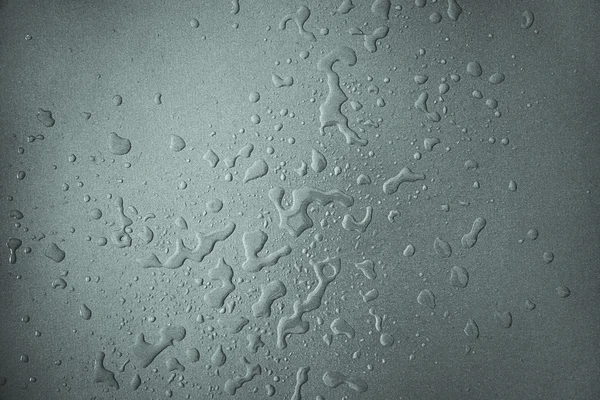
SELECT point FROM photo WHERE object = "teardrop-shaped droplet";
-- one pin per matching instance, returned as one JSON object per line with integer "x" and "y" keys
{"x": 471, "y": 329}
{"x": 218, "y": 358}
{"x": 85, "y": 312}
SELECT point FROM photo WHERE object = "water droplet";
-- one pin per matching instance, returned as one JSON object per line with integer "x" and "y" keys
{"x": 117, "y": 100}
{"x": 471, "y": 329}
{"x": 527, "y": 19}
{"x": 548, "y": 257}
{"x": 257, "y": 170}
{"x": 474, "y": 69}
{"x": 504, "y": 318}
{"x": 491, "y": 103}
{"x": 254, "y": 97}
{"x": 176, "y": 143}
{"x": 16, "y": 214}
{"x": 530, "y": 305}
{"x": 420, "y": 79}
{"x": 319, "y": 162}
{"x": 381, "y": 8}
{"x": 454, "y": 10}
{"x": 459, "y": 277}
{"x": 386, "y": 340}
{"x": 96, "y": 213}
{"x": 218, "y": 358}
{"x": 435, "y": 17}
{"x": 193, "y": 354}
{"x": 532, "y": 234}
{"x": 426, "y": 298}
{"x": 214, "y": 205}
{"x": 496, "y": 78}
{"x": 471, "y": 165}
{"x": 442, "y": 248}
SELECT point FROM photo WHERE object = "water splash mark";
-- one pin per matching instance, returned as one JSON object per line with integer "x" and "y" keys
{"x": 301, "y": 379}
{"x": 121, "y": 238}
{"x": 421, "y": 104}
{"x": 405, "y": 175}
{"x": 351, "y": 224}
{"x": 254, "y": 342}
{"x": 299, "y": 17}
{"x": 294, "y": 324}
{"x": 268, "y": 294}
{"x": 296, "y": 219}
{"x": 254, "y": 242}
{"x": 331, "y": 109}
{"x": 146, "y": 352}
{"x": 334, "y": 379}
{"x": 103, "y": 375}
{"x": 252, "y": 370}
{"x": 370, "y": 41}
{"x": 224, "y": 273}
{"x": 206, "y": 244}
{"x": 367, "y": 267}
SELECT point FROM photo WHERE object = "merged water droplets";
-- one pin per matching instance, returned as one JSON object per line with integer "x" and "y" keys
{"x": 13, "y": 245}
{"x": 45, "y": 117}
{"x": 54, "y": 253}
{"x": 118, "y": 145}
